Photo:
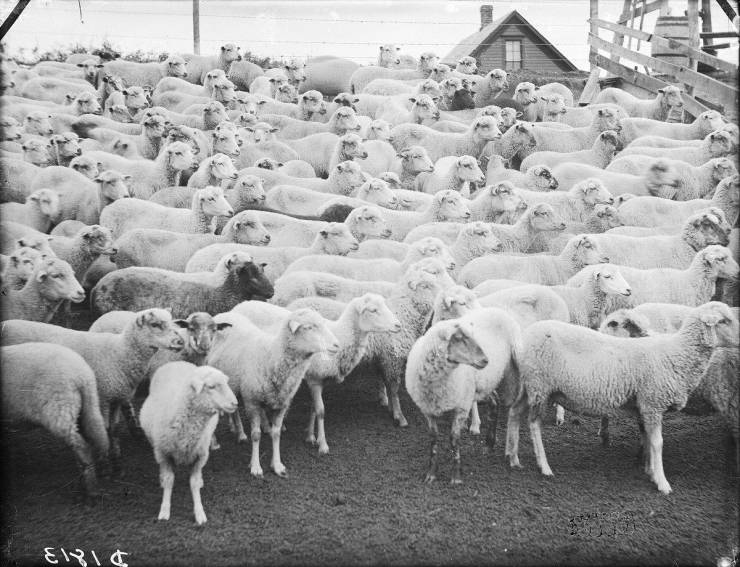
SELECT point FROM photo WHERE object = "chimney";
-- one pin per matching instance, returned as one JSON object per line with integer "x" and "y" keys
{"x": 486, "y": 15}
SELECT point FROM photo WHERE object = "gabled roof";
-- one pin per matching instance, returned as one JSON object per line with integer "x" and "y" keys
{"x": 472, "y": 44}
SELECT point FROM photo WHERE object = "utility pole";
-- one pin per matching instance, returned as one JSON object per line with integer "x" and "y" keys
{"x": 12, "y": 17}
{"x": 196, "y": 27}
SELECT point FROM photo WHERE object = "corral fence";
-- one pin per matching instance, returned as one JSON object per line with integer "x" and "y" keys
{"x": 701, "y": 91}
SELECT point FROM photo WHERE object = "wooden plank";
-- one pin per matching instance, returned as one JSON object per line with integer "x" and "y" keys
{"x": 709, "y": 46}
{"x": 728, "y": 10}
{"x": 691, "y": 105}
{"x": 618, "y": 38}
{"x": 650, "y": 7}
{"x": 591, "y": 89}
{"x": 722, "y": 93}
{"x": 693, "y": 15}
{"x": 678, "y": 46}
{"x": 706, "y": 23}
{"x": 719, "y": 35}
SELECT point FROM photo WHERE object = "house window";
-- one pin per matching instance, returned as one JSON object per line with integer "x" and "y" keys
{"x": 513, "y": 58}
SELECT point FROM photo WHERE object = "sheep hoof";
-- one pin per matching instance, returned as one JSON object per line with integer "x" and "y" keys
{"x": 323, "y": 449}
{"x": 547, "y": 472}
{"x": 455, "y": 481}
{"x": 163, "y": 516}
{"x": 282, "y": 473}
{"x": 665, "y": 488}
{"x": 605, "y": 441}
{"x": 474, "y": 430}
{"x": 257, "y": 473}
{"x": 400, "y": 421}
{"x": 429, "y": 478}
{"x": 242, "y": 439}
{"x": 200, "y": 519}
{"x": 311, "y": 440}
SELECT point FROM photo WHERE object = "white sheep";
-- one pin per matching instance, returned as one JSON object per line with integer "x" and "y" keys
{"x": 707, "y": 122}
{"x": 438, "y": 384}
{"x": 603, "y": 218}
{"x": 142, "y": 74}
{"x": 52, "y": 386}
{"x": 281, "y": 358}
{"x": 661, "y": 179}
{"x": 334, "y": 239}
{"x": 19, "y": 267}
{"x": 299, "y": 201}
{"x": 665, "y": 102}
{"x": 495, "y": 83}
{"x": 119, "y": 361}
{"x": 179, "y": 417}
{"x": 81, "y": 250}
{"x": 235, "y": 278}
{"x": 366, "y": 314}
{"x": 149, "y": 176}
{"x": 40, "y": 211}
{"x": 694, "y": 182}
{"x": 600, "y": 155}
{"x": 714, "y": 145}
{"x": 311, "y": 285}
{"x": 169, "y": 250}
{"x": 580, "y": 251}
{"x": 51, "y": 283}
{"x": 441, "y": 144}
{"x": 655, "y": 211}
{"x": 343, "y": 179}
{"x": 659, "y": 372}
{"x": 452, "y": 173}
{"x": 383, "y": 269}
{"x": 666, "y": 251}
{"x": 127, "y": 214}
{"x": 363, "y": 75}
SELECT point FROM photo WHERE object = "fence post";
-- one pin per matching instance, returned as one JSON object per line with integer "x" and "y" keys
{"x": 196, "y": 27}
{"x": 592, "y": 85}
{"x": 693, "y": 15}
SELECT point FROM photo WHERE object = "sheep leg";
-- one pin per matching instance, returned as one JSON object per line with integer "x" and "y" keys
{"x": 318, "y": 412}
{"x": 398, "y": 416}
{"x": 535, "y": 429}
{"x": 115, "y": 440}
{"x": 256, "y": 435}
{"x": 653, "y": 428}
{"x": 474, "y": 419}
{"x": 431, "y": 475}
{"x": 277, "y": 424}
{"x": 512, "y": 434}
{"x": 458, "y": 422}
{"x": 196, "y": 483}
{"x": 383, "y": 396}
{"x": 492, "y": 422}
{"x": 238, "y": 427}
{"x": 604, "y": 430}
{"x": 167, "y": 481}
{"x": 559, "y": 414}
{"x": 214, "y": 446}
{"x": 84, "y": 460}
{"x": 641, "y": 454}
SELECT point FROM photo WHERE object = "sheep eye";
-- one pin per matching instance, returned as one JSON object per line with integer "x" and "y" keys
{"x": 612, "y": 324}
{"x": 607, "y": 276}
{"x": 56, "y": 276}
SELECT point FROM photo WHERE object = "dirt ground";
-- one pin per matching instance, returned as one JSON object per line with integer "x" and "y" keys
{"x": 365, "y": 502}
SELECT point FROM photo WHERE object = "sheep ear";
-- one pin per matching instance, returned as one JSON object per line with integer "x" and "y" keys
{"x": 661, "y": 91}
{"x": 324, "y": 233}
{"x": 412, "y": 99}
{"x": 413, "y": 285}
{"x": 519, "y": 114}
{"x": 181, "y": 323}
{"x": 41, "y": 275}
{"x": 222, "y": 326}
{"x": 294, "y": 325}
{"x": 69, "y": 97}
{"x": 197, "y": 384}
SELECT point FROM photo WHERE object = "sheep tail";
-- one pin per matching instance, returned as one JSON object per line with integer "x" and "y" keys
{"x": 91, "y": 419}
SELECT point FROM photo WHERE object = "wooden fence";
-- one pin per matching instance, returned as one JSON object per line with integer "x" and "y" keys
{"x": 715, "y": 94}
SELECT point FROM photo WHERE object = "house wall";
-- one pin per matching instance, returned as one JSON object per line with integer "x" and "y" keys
{"x": 534, "y": 58}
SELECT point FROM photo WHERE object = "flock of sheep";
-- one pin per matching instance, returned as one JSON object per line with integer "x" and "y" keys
{"x": 238, "y": 231}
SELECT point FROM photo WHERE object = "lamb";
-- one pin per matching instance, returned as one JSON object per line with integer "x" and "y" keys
{"x": 119, "y": 360}
{"x": 212, "y": 170}
{"x": 494, "y": 85}
{"x": 666, "y": 101}
{"x": 555, "y": 110}
{"x": 54, "y": 89}
{"x": 179, "y": 417}
{"x": 324, "y": 150}
{"x": 645, "y": 318}
{"x": 40, "y": 211}
{"x": 600, "y": 155}
{"x": 127, "y": 214}
{"x": 51, "y": 283}
{"x": 693, "y": 182}
{"x": 343, "y": 179}
{"x": 361, "y": 316}
{"x": 378, "y": 269}
{"x": 172, "y": 250}
{"x": 281, "y": 358}
{"x": 665, "y": 251}
{"x": 335, "y": 239}
{"x": 691, "y": 286}
{"x": 64, "y": 148}
{"x": 147, "y": 144}
{"x": 706, "y": 123}
{"x": 536, "y": 220}
{"x": 438, "y": 385}
{"x": 527, "y": 94}
{"x": 414, "y": 160}
{"x": 661, "y": 179}
{"x": 84, "y": 248}
{"x": 52, "y": 386}
{"x": 199, "y": 65}
{"x": 714, "y": 145}
{"x": 342, "y": 121}
{"x": 234, "y": 279}
{"x": 659, "y": 372}
{"x": 603, "y": 218}
{"x": 423, "y": 110}
{"x": 459, "y": 174}
{"x": 36, "y": 151}
{"x": 142, "y": 74}
{"x": 547, "y": 270}
{"x": 441, "y": 144}
{"x": 150, "y": 176}
{"x": 299, "y": 201}
{"x": 295, "y": 167}
{"x": 655, "y": 211}
{"x": 181, "y": 85}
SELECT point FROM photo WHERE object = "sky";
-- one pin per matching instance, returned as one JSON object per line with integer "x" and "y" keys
{"x": 304, "y": 28}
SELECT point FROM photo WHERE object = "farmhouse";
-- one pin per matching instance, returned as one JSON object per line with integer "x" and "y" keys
{"x": 511, "y": 43}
